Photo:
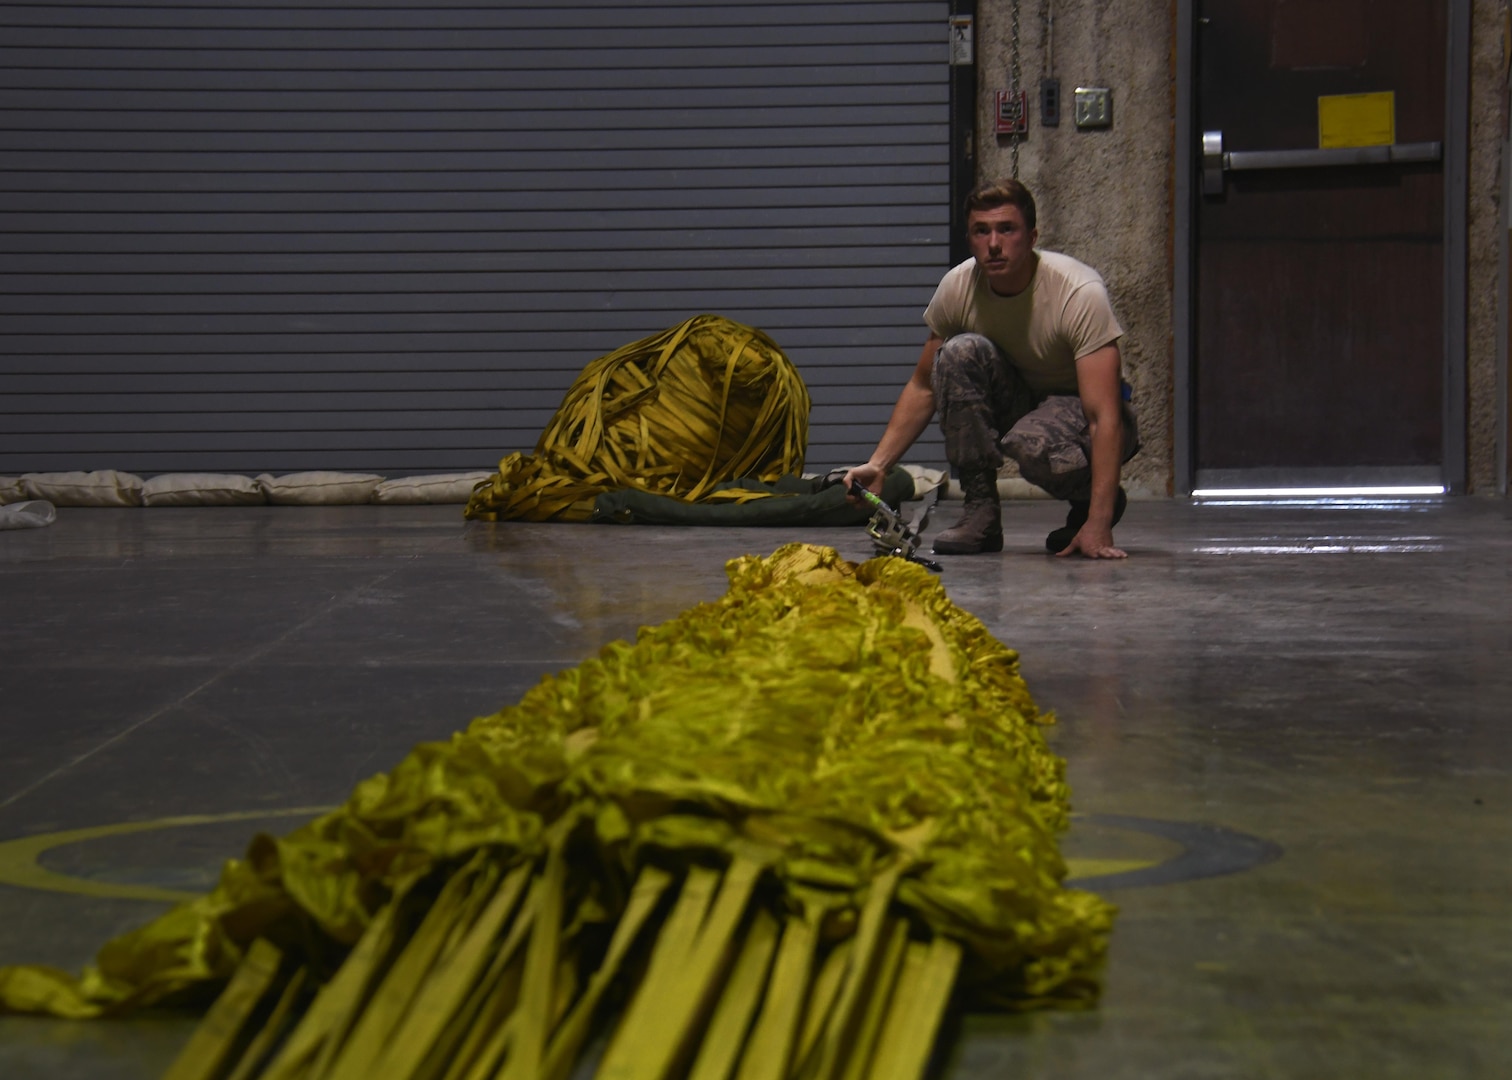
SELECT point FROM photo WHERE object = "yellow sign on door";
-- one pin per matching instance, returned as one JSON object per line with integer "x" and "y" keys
{"x": 1357, "y": 119}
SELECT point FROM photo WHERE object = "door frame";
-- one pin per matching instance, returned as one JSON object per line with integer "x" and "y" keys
{"x": 1503, "y": 287}
{"x": 1456, "y": 239}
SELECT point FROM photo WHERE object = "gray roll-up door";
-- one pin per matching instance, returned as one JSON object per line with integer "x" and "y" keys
{"x": 386, "y": 237}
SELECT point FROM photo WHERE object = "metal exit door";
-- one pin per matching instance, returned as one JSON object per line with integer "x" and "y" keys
{"x": 1326, "y": 319}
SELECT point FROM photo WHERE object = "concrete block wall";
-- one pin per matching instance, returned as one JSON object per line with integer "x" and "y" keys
{"x": 1106, "y": 196}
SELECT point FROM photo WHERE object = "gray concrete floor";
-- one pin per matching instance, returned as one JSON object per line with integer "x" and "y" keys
{"x": 1291, "y": 724}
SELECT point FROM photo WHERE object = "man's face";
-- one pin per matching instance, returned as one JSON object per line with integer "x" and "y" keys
{"x": 1003, "y": 247}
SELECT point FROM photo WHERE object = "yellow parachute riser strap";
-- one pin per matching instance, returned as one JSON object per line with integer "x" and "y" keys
{"x": 707, "y": 480}
{"x": 594, "y": 385}
{"x": 745, "y": 458}
{"x": 677, "y": 414}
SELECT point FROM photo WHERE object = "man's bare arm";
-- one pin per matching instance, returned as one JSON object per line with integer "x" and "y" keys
{"x": 910, "y": 416}
{"x": 1101, "y": 390}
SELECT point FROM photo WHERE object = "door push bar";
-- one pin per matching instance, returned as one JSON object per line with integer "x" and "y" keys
{"x": 1216, "y": 161}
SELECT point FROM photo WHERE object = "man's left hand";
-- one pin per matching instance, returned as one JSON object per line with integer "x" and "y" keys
{"x": 1093, "y": 543}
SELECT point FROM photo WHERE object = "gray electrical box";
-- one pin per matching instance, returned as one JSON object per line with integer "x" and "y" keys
{"x": 1094, "y": 107}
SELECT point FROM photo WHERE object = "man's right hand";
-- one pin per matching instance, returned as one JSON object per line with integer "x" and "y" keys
{"x": 868, "y": 476}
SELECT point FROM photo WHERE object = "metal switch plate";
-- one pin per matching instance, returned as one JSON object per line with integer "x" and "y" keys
{"x": 1094, "y": 107}
{"x": 1050, "y": 101}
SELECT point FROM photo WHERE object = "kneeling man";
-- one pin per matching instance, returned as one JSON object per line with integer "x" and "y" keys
{"x": 1022, "y": 361}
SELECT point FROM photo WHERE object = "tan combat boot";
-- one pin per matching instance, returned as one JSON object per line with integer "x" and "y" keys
{"x": 981, "y": 525}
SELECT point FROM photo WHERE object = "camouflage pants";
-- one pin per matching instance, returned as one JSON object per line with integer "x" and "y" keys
{"x": 988, "y": 413}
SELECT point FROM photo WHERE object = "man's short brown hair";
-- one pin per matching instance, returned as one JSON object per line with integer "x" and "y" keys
{"x": 991, "y": 194}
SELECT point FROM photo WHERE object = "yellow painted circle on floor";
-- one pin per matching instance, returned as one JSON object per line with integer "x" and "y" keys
{"x": 20, "y": 859}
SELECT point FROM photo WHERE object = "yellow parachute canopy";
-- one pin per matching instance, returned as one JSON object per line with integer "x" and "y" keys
{"x": 772, "y": 837}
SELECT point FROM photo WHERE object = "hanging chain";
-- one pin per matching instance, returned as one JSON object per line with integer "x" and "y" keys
{"x": 1015, "y": 87}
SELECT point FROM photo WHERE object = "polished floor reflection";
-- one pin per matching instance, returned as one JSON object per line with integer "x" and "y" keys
{"x": 1289, "y": 731}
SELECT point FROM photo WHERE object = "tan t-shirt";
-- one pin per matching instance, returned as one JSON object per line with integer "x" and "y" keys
{"x": 1063, "y": 314}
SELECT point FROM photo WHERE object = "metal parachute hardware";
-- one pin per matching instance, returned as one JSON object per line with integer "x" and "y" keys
{"x": 890, "y": 530}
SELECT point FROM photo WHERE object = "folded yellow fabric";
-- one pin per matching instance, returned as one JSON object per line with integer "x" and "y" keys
{"x": 702, "y": 403}
{"x": 791, "y": 824}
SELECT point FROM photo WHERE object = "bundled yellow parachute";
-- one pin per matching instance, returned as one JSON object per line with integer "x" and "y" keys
{"x": 773, "y": 837}
{"x": 706, "y": 402}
